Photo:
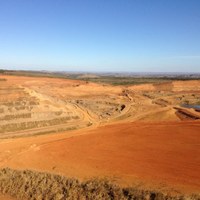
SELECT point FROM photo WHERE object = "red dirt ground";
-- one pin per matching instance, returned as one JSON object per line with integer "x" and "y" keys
{"x": 145, "y": 144}
{"x": 164, "y": 155}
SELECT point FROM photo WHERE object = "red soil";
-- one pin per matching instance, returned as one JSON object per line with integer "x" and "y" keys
{"x": 158, "y": 154}
{"x": 165, "y": 154}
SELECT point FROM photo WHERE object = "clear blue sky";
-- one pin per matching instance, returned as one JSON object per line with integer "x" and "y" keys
{"x": 100, "y": 35}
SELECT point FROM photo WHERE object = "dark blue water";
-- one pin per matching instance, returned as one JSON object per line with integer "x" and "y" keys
{"x": 191, "y": 106}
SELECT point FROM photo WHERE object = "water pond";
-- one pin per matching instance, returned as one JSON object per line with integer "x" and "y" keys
{"x": 191, "y": 106}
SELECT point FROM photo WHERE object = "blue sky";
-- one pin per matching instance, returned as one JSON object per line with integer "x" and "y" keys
{"x": 100, "y": 35}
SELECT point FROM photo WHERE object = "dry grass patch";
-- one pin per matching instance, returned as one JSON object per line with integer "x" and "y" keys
{"x": 36, "y": 185}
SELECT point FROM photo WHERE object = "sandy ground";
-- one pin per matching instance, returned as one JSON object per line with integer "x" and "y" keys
{"x": 162, "y": 155}
{"x": 136, "y": 134}
{"x": 6, "y": 197}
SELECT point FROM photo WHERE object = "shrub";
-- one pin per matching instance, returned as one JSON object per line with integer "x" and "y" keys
{"x": 31, "y": 185}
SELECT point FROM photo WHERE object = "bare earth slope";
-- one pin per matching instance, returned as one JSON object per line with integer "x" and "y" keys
{"x": 160, "y": 154}
{"x": 131, "y": 134}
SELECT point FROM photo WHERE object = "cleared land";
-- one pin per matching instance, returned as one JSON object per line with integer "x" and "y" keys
{"x": 46, "y": 105}
{"x": 134, "y": 135}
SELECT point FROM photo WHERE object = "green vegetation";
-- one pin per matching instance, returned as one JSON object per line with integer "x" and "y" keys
{"x": 124, "y": 80}
{"x": 111, "y": 78}
{"x": 36, "y": 185}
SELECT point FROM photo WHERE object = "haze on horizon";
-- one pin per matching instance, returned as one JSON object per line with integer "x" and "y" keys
{"x": 114, "y": 35}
